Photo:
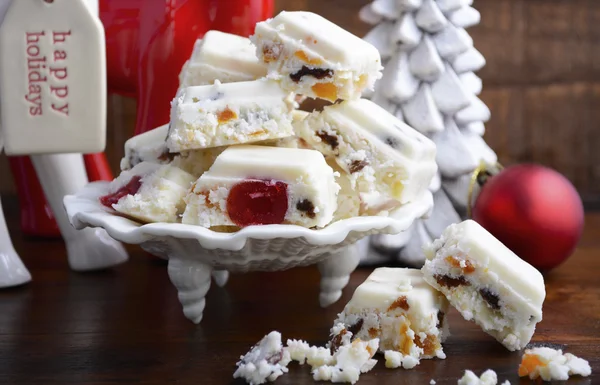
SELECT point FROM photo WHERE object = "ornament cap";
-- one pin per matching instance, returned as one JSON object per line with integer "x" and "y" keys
{"x": 479, "y": 177}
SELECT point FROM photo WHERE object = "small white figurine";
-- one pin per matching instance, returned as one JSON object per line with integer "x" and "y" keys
{"x": 60, "y": 175}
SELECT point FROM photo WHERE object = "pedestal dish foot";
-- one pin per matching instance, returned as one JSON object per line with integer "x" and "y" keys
{"x": 221, "y": 277}
{"x": 192, "y": 280}
{"x": 335, "y": 274}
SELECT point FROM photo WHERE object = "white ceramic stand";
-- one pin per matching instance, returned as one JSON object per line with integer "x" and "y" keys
{"x": 88, "y": 249}
{"x": 192, "y": 280}
{"x": 221, "y": 277}
{"x": 197, "y": 255}
{"x": 335, "y": 274}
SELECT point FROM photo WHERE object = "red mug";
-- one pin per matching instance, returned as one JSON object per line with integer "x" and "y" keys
{"x": 147, "y": 43}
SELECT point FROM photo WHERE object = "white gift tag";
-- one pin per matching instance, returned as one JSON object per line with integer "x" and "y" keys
{"x": 52, "y": 78}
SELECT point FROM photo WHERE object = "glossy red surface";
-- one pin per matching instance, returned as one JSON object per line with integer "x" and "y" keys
{"x": 535, "y": 211}
{"x": 130, "y": 188}
{"x": 36, "y": 215}
{"x": 147, "y": 43}
{"x": 257, "y": 202}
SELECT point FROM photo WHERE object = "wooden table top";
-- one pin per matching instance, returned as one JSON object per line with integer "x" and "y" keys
{"x": 126, "y": 325}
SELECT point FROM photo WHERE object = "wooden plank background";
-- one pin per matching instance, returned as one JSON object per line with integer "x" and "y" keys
{"x": 542, "y": 83}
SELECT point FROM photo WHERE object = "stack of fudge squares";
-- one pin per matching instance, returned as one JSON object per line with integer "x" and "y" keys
{"x": 238, "y": 151}
{"x": 401, "y": 312}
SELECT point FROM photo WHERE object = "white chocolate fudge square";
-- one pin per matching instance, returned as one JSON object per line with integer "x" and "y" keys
{"x": 258, "y": 185}
{"x": 397, "y": 306}
{"x": 265, "y": 362}
{"x": 221, "y": 56}
{"x": 314, "y": 57}
{"x": 552, "y": 365}
{"x": 386, "y": 159}
{"x": 486, "y": 282}
{"x": 151, "y": 146}
{"x": 150, "y": 192}
{"x": 227, "y": 114}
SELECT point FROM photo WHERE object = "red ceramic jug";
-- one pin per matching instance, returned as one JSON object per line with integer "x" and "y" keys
{"x": 147, "y": 43}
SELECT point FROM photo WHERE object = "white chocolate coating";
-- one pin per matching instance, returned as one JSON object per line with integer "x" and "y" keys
{"x": 160, "y": 197}
{"x": 397, "y": 306}
{"x": 149, "y": 146}
{"x": 224, "y": 57}
{"x": 293, "y": 40}
{"x": 386, "y": 159}
{"x": 306, "y": 173}
{"x": 226, "y": 114}
{"x": 486, "y": 282}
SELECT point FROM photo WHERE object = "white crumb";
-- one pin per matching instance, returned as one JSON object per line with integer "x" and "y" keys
{"x": 297, "y": 350}
{"x": 349, "y": 362}
{"x": 555, "y": 366}
{"x": 488, "y": 377}
{"x": 318, "y": 356}
{"x": 394, "y": 359}
{"x": 266, "y": 361}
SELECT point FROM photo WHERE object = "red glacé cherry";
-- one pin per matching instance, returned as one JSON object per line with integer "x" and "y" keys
{"x": 130, "y": 188}
{"x": 257, "y": 202}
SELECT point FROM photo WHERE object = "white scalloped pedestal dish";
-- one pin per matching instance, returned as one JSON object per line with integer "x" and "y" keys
{"x": 196, "y": 253}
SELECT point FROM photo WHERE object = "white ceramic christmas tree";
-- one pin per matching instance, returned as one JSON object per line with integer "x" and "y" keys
{"x": 429, "y": 82}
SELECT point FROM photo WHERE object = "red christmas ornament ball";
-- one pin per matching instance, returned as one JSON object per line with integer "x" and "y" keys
{"x": 535, "y": 211}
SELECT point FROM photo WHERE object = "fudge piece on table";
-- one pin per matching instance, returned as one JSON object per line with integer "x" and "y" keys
{"x": 397, "y": 306}
{"x": 486, "y": 282}
{"x": 311, "y": 56}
